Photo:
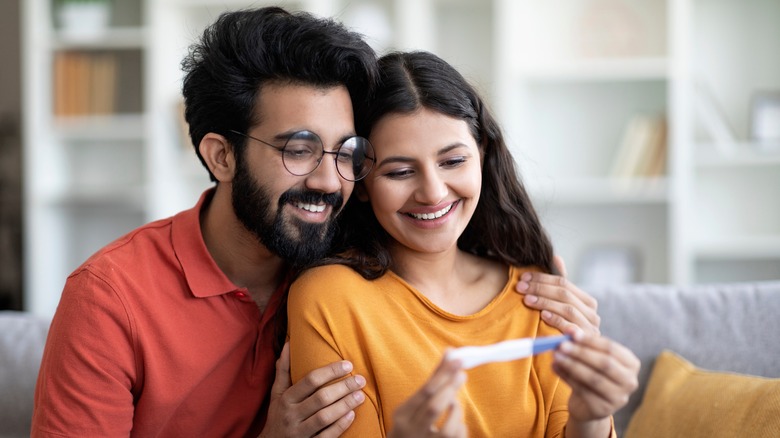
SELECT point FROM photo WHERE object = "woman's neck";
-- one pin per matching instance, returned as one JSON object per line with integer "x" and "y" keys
{"x": 456, "y": 281}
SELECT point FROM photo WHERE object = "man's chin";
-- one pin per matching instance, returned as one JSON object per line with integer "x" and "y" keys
{"x": 302, "y": 243}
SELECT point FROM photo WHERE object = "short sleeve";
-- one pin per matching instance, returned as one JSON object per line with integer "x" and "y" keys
{"x": 88, "y": 369}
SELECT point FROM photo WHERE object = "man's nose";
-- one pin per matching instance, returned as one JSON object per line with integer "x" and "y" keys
{"x": 325, "y": 177}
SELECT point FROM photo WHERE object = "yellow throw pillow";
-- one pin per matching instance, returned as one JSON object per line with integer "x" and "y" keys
{"x": 682, "y": 400}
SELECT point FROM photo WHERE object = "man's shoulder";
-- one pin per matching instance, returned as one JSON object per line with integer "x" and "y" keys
{"x": 138, "y": 244}
{"x": 144, "y": 245}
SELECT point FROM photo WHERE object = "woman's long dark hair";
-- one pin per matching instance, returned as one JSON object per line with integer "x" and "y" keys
{"x": 504, "y": 227}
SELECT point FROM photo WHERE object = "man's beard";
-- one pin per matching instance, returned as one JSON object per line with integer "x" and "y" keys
{"x": 297, "y": 242}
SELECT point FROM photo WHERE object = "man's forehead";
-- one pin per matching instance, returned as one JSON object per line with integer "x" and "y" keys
{"x": 293, "y": 106}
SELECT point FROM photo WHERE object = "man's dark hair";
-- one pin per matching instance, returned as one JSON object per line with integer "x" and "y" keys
{"x": 243, "y": 50}
{"x": 504, "y": 226}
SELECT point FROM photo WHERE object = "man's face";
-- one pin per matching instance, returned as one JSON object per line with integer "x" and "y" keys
{"x": 293, "y": 216}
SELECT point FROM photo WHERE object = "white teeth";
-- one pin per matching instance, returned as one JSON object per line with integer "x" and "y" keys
{"x": 430, "y": 216}
{"x": 311, "y": 207}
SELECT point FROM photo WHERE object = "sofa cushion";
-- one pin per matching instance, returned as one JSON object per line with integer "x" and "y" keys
{"x": 686, "y": 401}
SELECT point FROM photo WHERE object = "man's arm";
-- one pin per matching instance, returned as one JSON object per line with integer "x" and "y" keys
{"x": 314, "y": 405}
{"x": 561, "y": 302}
{"x": 88, "y": 366}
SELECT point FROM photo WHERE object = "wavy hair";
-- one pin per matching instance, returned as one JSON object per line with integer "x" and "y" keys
{"x": 242, "y": 50}
{"x": 504, "y": 226}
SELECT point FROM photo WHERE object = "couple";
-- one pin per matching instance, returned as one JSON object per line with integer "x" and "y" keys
{"x": 175, "y": 328}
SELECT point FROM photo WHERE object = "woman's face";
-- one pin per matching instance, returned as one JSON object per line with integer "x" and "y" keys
{"x": 427, "y": 179}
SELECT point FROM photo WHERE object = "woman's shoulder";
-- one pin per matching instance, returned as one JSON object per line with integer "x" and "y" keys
{"x": 330, "y": 282}
{"x": 334, "y": 272}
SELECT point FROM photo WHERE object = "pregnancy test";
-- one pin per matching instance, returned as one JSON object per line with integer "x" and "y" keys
{"x": 505, "y": 350}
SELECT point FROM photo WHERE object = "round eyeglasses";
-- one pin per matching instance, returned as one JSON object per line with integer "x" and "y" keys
{"x": 303, "y": 151}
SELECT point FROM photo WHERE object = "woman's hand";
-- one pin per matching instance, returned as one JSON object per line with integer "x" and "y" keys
{"x": 434, "y": 410}
{"x": 562, "y": 303}
{"x": 601, "y": 373}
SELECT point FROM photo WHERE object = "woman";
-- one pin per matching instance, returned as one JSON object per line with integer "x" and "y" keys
{"x": 441, "y": 230}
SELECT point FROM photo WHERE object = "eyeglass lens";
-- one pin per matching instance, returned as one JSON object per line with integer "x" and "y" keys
{"x": 303, "y": 152}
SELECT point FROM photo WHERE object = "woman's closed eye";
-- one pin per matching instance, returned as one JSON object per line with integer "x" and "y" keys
{"x": 401, "y": 173}
{"x": 453, "y": 161}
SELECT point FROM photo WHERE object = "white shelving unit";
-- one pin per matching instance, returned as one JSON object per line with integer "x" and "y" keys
{"x": 734, "y": 218}
{"x": 84, "y": 174}
{"x": 563, "y": 76}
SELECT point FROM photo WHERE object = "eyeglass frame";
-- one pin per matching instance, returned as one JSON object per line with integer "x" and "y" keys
{"x": 322, "y": 149}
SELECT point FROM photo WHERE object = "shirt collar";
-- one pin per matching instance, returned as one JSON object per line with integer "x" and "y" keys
{"x": 201, "y": 272}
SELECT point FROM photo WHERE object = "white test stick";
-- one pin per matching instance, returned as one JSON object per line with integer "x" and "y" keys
{"x": 505, "y": 350}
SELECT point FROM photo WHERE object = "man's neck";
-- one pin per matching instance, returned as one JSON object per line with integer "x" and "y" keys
{"x": 237, "y": 252}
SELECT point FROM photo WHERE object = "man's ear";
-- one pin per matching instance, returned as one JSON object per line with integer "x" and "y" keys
{"x": 361, "y": 192}
{"x": 219, "y": 156}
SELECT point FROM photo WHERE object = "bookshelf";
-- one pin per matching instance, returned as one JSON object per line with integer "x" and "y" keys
{"x": 736, "y": 57}
{"x": 87, "y": 136}
{"x": 566, "y": 79}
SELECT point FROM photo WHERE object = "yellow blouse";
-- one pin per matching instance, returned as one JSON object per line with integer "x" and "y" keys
{"x": 395, "y": 338}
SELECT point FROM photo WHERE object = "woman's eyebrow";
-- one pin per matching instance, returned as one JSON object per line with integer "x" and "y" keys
{"x": 404, "y": 159}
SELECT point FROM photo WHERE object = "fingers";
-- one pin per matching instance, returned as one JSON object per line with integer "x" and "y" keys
{"x": 601, "y": 373}
{"x": 560, "y": 265}
{"x": 317, "y": 378}
{"x": 329, "y": 403}
{"x": 282, "y": 379}
{"x": 319, "y": 402}
{"x": 420, "y": 413}
{"x": 338, "y": 428}
{"x": 453, "y": 426}
{"x": 426, "y": 404}
{"x": 562, "y": 303}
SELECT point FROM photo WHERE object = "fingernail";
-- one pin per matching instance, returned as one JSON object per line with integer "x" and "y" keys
{"x": 526, "y": 276}
{"x": 359, "y": 396}
{"x": 346, "y": 366}
{"x": 578, "y": 335}
{"x": 521, "y": 286}
{"x": 360, "y": 380}
{"x": 567, "y": 347}
{"x": 531, "y": 299}
{"x": 350, "y": 415}
{"x": 546, "y": 314}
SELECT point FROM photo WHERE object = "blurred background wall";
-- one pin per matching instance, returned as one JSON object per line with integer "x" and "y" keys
{"x": 645, "y": 130}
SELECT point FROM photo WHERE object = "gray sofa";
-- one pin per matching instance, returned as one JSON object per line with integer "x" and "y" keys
{"x": 728, "y": 327}
{"x": 725, "y": 327}
{"x": 22, "y": 337}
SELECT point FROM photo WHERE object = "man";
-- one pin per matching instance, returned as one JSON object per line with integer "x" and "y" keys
{"x": 174, "y": 329}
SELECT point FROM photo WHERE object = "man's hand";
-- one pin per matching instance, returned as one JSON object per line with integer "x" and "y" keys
{"x": 314, "y": 405}
{"x": 562, "y": 303}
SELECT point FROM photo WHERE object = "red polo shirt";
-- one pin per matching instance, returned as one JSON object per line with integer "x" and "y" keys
{"x": 150, "y": 338}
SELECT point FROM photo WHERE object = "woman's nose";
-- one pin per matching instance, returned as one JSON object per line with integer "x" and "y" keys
{"x": 433, "y": 189}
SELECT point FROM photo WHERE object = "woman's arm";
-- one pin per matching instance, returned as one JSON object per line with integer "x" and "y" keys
{"x": 321, "y": 333}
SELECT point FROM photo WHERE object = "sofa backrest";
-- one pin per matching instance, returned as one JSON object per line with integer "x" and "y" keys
{"x": 723, "y": 327}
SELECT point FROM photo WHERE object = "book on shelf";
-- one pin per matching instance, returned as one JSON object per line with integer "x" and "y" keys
{"x": 84, "y": 83}
{"x": 713, "y": 119}
{"x": 642, "y": 151}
